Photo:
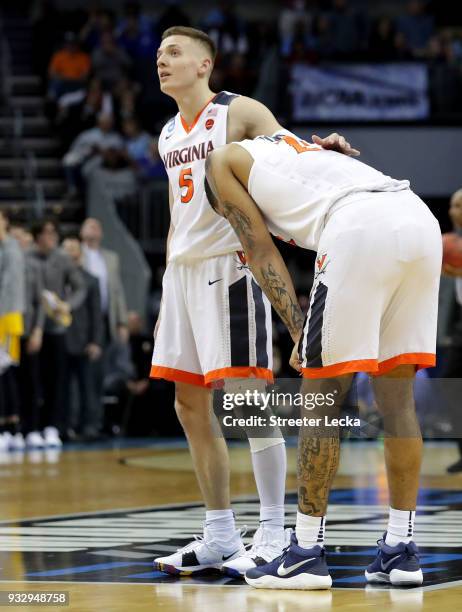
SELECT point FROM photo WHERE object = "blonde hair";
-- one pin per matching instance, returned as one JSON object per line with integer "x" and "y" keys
{"x": 195, "y": 34}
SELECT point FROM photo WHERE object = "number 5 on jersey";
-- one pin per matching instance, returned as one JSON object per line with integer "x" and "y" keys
{"x": 186, "y": 181}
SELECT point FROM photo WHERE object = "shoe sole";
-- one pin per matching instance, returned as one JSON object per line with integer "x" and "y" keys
{"x": 396, "y": 577}
{"x": 301, "y": 582}
{"x": 233, "y": 573}
{"x": 186, "y": 571}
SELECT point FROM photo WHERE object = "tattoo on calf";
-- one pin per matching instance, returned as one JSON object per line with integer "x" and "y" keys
{"x": 316, "y": 467}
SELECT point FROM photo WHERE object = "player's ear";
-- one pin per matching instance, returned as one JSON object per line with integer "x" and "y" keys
{"x": 205, "y": 66}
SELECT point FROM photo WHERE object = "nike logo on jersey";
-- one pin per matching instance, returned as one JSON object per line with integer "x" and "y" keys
{"x": 216, "y": 281}
{"x": 285, "y": 571}
{"x": 229, "y": 556}
{"x": 386, "y": 565}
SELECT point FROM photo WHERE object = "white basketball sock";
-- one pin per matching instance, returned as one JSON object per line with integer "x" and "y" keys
{"x": 272, "y": 516}
{"x": 310, "y": 530}
{"x": 269, "y": 468}
{"x": 220, "y": 525}
{"x": 400, "y": 527}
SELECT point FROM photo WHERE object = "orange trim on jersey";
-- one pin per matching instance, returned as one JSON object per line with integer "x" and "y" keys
{"x": 177, "y": 376}
{"x": 420, "y": 360}
{"x": 338, "y": 369}
{"x": 187, "y": 127}
{"x": 238, "y": 372}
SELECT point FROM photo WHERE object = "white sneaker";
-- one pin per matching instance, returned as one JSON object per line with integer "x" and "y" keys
{"x": 51, "y": 437}
{"x": 34, "y": 439}
{"x": 35, "y": 456}
{"x": 52, "y": 455}
{"x": 267, "y": 545}
{"x": 202, "y": 556}
{"x": 17, "y": 443}
{"x": 3, "y": 443}
{"x": 7, "y": 438}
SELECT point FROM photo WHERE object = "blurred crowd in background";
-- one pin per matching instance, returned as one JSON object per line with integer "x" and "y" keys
{"x": 98, "y": 67}
{"x": 74, "y": 364}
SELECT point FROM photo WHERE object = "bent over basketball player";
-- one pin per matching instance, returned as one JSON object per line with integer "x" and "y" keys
{"x": 373, "y": 309}
{"x": 214, "y": 322}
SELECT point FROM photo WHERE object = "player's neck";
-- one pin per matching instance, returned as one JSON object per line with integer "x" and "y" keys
{"x": 191, "y": 103}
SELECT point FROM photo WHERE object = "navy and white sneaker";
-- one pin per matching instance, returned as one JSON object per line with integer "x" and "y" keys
{"x": 297, "y": 568}
{"x": 397, "y": 565}
{"x": 203, "y": 556}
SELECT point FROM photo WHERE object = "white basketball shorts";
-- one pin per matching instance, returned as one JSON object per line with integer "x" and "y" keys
{"x": 374, "y": 301}
{"x": 215, "y": 323}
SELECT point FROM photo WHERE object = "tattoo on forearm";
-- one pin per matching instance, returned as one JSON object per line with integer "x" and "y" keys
{"x": 275, "y": 287}
{"x": 241, "y": 224}
{"x": 268, "y": 277}
{"x": 316, "y": 467}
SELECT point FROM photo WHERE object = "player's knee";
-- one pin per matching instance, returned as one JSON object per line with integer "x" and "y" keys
{"x": 402, "y": 371}
{"x": 191, "y": 405}
{"x": 394, "y": 390}
{"x": 185, "y": 412}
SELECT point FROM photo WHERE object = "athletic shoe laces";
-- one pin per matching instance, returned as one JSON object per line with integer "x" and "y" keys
{"x": 263, "y": 546}
{"x": 207, "y": 541}
{"x": 198, "y": 541}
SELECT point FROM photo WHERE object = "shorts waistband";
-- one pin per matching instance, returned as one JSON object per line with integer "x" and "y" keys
{"x": 358, "y": 196}
{"x": 194, "y": 261}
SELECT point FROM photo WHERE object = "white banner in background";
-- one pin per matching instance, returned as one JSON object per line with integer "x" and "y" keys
{"x": 360, "y": 92}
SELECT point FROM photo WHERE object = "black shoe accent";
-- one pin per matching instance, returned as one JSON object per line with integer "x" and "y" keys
{"x": 229, "y": 556}
{"x": 259, "y": 561}
{"x": 456, "y": 467}
{"x": 189, "y": 559}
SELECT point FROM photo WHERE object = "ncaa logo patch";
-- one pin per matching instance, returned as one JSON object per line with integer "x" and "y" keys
{"x": 170, "y": 128}
{"x": 209, "y": 124}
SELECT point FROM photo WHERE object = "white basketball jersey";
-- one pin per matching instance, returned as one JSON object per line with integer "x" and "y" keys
{"x": 296, "y": 184}
{"x": 198, "y": 232}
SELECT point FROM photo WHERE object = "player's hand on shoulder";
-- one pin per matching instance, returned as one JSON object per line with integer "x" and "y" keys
{"x": 335, "y": 142}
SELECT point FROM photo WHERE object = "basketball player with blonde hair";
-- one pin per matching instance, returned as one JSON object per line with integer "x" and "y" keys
{"x": 214, "y": 322}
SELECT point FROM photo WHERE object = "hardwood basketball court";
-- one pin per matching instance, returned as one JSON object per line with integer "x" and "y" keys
{"x": 89, "y": 522}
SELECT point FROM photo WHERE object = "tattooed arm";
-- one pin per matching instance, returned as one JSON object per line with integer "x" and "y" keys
{"x": 266, "y": 263}
{"x": 230, "y": 199}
